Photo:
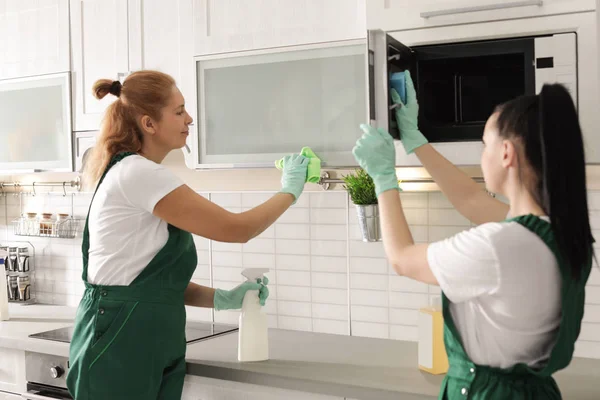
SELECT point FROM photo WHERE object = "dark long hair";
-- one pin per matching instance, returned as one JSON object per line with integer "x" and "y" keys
{"x": 548, "y": 127}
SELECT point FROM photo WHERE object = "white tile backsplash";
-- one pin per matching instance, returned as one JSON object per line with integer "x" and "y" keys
{"x": 294, "y": 309}
{"x": 292, "y": 231}
{"x": 370, "y": 314}
{"x": 295, "y": 216}
{"x": 323, "y": 277}
{"x": 368, "y": 265}
{"x": 329, "y": 264}
{"x": 328, "y": 216}
{"x": 336, "y": 248}
{"x": 292, "y": 246}
{"x": 329, "y": 296}
{"x": 329, "y": 280}
{"x": 293, "y": 278}
{"x": 330, "y": 311}
{"x": 292, "y": 262}
{"x": 294, "y": 293}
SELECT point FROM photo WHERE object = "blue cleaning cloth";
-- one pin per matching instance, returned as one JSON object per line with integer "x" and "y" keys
{"x": 398, "y": 82}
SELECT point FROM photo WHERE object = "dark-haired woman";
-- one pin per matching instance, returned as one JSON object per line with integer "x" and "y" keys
{"x": 514, "y": 286}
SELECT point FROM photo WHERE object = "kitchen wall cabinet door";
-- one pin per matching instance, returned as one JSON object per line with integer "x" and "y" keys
{"x": 34, "y": 37}
{"x": 394, "y": 15}
{"x": 99, "y": 37}
{"x": 235, "y": 25}
{"x": 83, "y": 143}
{"x": 161, "y": 37}
{"x": 256, "y": 107}
{"x": 12, "y": 371}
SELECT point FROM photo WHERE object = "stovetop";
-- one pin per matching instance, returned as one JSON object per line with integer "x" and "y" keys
{"x": 194, "y": 332}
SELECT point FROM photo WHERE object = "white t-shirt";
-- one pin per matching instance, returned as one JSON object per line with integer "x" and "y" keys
{"x": 504, "y": 285}
{"x": 124, "y": 234}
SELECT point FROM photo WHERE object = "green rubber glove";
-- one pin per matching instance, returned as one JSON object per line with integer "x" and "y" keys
{"x": 407, "y": 116}
{"x": 314, "y": 165}
{"x": 233, "y": 299}
{"x": 295, "y": 169}
{"x": 376, "y": 154}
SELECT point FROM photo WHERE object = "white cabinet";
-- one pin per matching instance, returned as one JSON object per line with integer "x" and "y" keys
{"x": 12, "y": 371}
{"x": 99, "y": 39}
{"x": 234, "y": 25}
{"x": 199, "y": 388}
{"x": 255, "y": 107}
{"x": 111, "y": 38}
{"x": 161, "y": 37}
{"x": 393, "y": 15}
{"x": 34, "y": 37}
{"x": 83, "y": 142}
{"x": 41, "y": 142}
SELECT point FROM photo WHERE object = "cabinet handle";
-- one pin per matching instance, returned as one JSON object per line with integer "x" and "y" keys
{"x": 485, "y": 7}
{"x": 122, "y": 75}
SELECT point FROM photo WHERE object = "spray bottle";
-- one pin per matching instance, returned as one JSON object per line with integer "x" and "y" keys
{"x": 3, "y": 288}
{"x": 253, "y": 344}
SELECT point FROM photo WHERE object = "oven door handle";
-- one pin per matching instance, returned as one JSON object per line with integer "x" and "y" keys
{"x": 33, "y": 396}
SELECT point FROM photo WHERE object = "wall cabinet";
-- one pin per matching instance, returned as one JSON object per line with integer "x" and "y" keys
{"x": 126, "y": 36}
{"x": 99, "y": 50}
{"x": 235, "y": 25}
{"x": 34, "y": 38}
{"x": 393, "y": 15}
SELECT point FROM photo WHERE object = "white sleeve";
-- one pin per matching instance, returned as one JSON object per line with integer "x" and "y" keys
{"x": 144, "y": 183}
{"x": 466, "y": 265}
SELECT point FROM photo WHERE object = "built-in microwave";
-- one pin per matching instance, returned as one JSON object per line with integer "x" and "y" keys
{"x": 459, "y": 84}
{"x": 253, "y": 107}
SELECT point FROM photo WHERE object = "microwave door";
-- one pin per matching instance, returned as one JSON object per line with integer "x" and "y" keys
{"x": 386, "y": 56}
{"x": 378, "y": 80}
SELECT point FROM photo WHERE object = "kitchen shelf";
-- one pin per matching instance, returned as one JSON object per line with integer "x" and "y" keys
{"x": 65, "y": 229}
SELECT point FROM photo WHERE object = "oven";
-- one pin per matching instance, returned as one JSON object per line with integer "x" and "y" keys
{"x": 46, "y": 377}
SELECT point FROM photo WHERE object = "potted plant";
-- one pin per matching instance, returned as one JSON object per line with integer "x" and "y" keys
{"x": 361, "y": 189}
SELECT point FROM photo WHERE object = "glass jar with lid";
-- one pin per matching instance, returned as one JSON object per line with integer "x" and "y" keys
{"x": 46, "y": 225}
{"x": 31, "y": 226}
{"x": 63, "y": 225}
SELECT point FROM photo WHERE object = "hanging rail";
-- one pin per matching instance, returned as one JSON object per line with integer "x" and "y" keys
{"x": 71, "y": 184}
{"x": 326, "y": 181}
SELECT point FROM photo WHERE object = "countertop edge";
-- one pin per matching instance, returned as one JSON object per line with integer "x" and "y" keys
{"x": 207, "y": 370}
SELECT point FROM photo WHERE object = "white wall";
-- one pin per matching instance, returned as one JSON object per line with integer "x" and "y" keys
{"x": 323, "y": 278}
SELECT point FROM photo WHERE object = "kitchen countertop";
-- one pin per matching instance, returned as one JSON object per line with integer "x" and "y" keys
{"x": 311, "y": 362}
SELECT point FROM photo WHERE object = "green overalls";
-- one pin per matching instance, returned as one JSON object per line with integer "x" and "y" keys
{"x": 466, "y": 380}
{"x": 129, "y": 341}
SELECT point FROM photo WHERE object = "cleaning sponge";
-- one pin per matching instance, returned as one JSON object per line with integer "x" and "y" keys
{"x": 314, "y": 165}
{"x": 398, "y": 82}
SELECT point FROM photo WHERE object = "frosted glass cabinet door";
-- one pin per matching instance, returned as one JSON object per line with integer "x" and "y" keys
{"x": 35, "y": 123}
{"x": 255, "y": 108}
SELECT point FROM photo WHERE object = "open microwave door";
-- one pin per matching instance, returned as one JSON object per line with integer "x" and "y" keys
{"x": 386, "y": 56}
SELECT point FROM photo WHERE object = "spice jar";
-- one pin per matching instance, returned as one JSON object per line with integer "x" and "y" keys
{"x": 46, "y": 224}
{"x": 62, "y": 225}
{"x": 31, "y": 226}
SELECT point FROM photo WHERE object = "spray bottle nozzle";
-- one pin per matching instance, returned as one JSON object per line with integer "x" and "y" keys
{"x": 252, "y": 274}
